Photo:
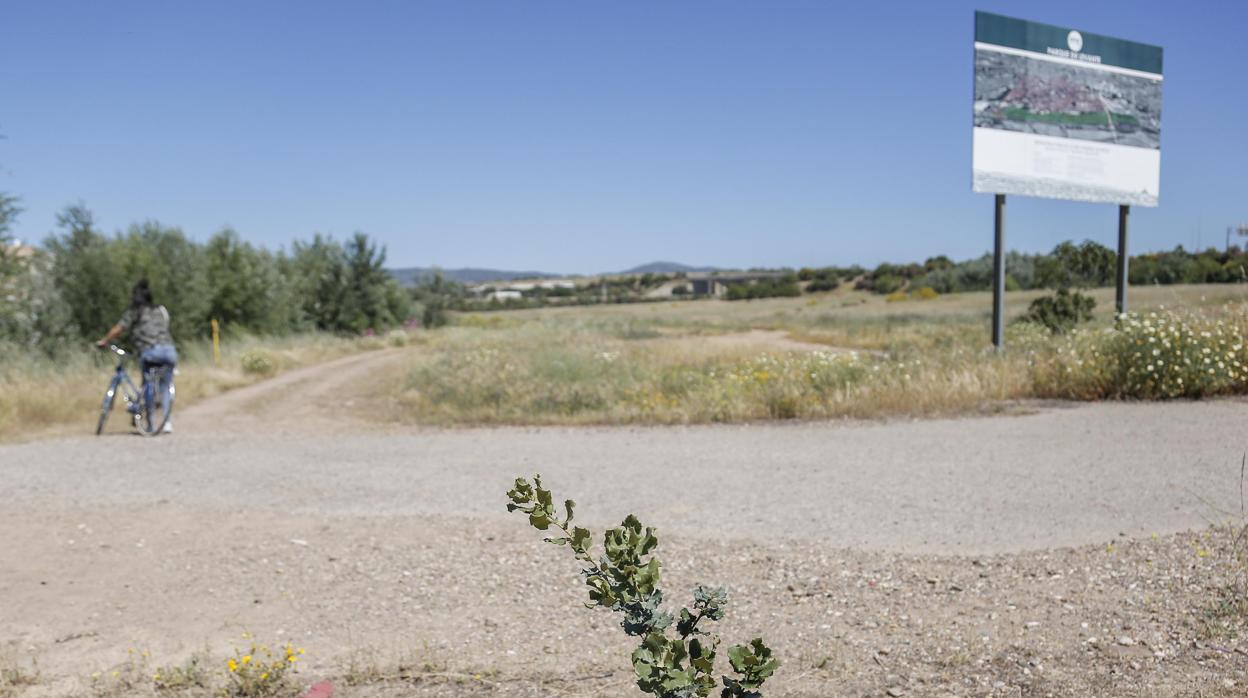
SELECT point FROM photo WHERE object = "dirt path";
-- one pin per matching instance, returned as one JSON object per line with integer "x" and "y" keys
{"x": 926, "y": 557}
{"x": 311, "y": 399}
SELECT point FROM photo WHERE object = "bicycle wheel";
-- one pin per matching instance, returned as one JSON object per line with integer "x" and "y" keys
{"x": 157, "y": 401}
{"x": 106, "y": 407}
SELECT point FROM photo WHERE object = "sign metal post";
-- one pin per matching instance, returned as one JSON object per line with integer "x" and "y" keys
{"x": 1123, "y": 259}
{"x": 998, "y": 276}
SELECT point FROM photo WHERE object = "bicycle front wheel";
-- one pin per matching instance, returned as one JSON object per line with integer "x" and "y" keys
{"x": 105, "y": 408}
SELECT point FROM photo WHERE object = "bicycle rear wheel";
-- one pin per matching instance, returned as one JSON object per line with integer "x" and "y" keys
{"x": 158, "y": 392}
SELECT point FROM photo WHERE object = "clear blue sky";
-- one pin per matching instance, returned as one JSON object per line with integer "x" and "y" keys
{"x": 575, "y": 136}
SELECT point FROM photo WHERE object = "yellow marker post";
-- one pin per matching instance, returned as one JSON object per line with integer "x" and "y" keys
{"x": 216, "y": 342}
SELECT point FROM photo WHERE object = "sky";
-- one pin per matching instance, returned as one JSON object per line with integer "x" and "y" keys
{"x": 580, "y": 137}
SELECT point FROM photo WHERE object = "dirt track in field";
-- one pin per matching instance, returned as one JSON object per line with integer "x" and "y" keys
{"x": 971, "y": 552}
{"x": 324, "y": 398}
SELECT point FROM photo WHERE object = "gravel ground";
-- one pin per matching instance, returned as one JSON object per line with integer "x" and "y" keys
{"x": 1062, "y": 552}
{"x": 1061, "y": 476}
{"x": 421, "y": 605}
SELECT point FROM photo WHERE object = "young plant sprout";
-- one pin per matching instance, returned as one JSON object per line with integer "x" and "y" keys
{"x": 671, "y": 662}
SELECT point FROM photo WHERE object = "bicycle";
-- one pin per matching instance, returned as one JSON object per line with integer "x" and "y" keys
{"x": 149, "y": 408}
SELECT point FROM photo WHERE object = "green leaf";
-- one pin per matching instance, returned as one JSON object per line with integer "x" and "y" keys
{"x": 582, "y": 539}
{"x": 522, "y": 493}
{"x": 686, "y": 624}
{"x": 702, "y": 657}
{"x": 676, "y": 680}
{"x": 556, "y": 541}
{"x": 736, "y": 657}
{"x": 753, "y": 663}
{"x": 568, "y": 506}
{"x": 539, "y": 521}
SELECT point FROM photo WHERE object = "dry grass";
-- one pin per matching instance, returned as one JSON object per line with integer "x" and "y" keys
{"x": 39, "y": 396}
{"x": 694, "y": 362}
{"x": 670, "y": 363}
{"x": 14, "y": 677}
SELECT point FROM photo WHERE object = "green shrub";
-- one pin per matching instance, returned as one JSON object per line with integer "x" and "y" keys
{"x": 434, "y": 313}
{"x": 784, "y": 288}
{"x": 926, "y": 293}
{"x": 258, "y": 363}
{"x": 1156, "y": 356}
{"x": 887, "y": 283}
{"x": 396, "y": 338}
{"x": 1061, "y": 312}
{"x": 822, "y": 285}
{"x": 626, "y": 580}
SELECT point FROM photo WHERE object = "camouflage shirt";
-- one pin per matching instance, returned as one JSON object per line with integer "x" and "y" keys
{"x": 148, "y": 327}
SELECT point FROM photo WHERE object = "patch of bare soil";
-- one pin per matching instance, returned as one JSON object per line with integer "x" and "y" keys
{"x": 450, "y": 606}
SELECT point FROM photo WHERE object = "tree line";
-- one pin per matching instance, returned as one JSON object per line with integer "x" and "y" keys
{"x": 77, "y": 283}
{"x": 1086, "y": 265}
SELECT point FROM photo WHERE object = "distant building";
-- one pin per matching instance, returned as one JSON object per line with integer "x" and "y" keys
{"x": 516, "y": 289}
{"x": 716, "y": 283}
{"x": 18, "y": 250}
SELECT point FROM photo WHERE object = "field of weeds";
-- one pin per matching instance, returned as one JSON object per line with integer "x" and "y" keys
{"x": 839, "y": 355}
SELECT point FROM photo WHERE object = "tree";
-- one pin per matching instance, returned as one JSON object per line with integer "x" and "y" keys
{"x": 86, "y": 274}
{"x": 1086, "y": 265}
{"x": 320, "y": 272}
{"x": 12, "y": 269}
{"x": 174, "y": 265}
{"x": 10, "y": 262}
{"x": 937, "y": 263}
{"x": 367, "y": 303}
{"x": 245, "y": 288}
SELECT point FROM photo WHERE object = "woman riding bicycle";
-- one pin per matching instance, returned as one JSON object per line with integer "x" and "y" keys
{"x": 148, "y": 327}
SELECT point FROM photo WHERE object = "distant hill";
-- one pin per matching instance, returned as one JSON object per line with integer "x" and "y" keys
{"x": 411, "y": 276}
{"x": 665, "y": 268}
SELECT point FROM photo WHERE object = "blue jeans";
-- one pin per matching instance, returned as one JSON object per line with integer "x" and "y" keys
{"x": 160, "y": 355}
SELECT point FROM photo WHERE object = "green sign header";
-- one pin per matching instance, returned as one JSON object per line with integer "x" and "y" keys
{"x": 1065, "y": 42}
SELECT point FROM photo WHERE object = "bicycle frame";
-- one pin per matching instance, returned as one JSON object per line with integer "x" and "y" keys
{"x": 131, "y": 393}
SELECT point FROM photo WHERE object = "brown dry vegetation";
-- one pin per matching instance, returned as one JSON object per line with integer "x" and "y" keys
{"x": 844, "y": 354}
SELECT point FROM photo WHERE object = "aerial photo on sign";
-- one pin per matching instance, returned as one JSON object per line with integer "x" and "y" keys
{"x": 1065, "y": 114}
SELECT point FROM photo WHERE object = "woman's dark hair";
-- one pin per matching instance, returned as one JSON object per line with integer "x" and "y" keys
{"x": 141, "y": 295}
